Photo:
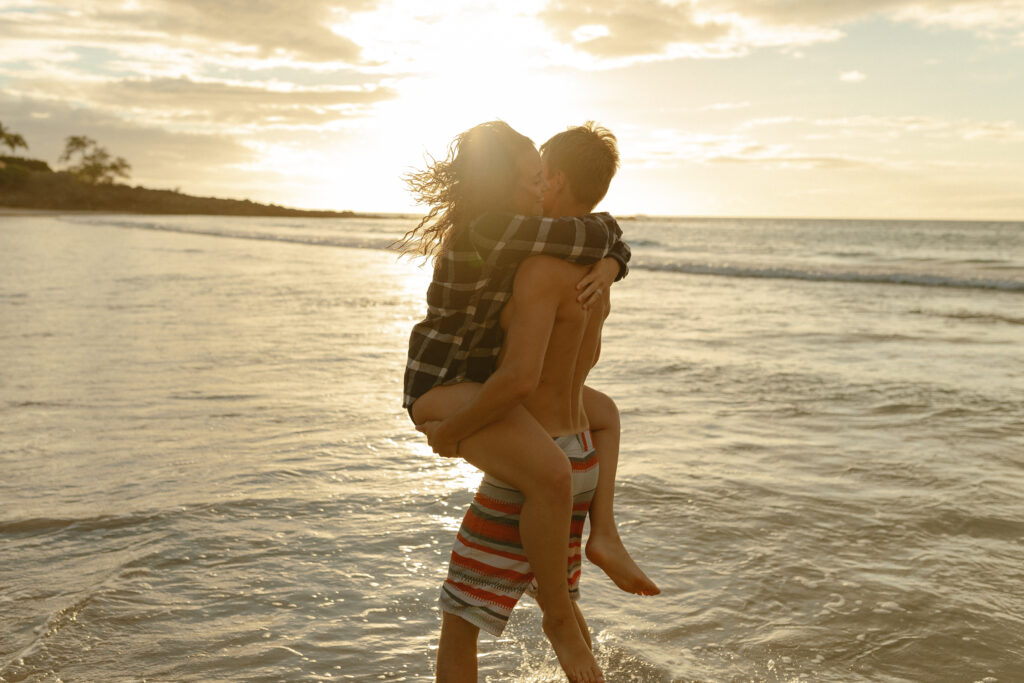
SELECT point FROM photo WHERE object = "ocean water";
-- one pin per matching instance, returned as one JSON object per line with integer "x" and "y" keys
{"x": 207, "y": 474}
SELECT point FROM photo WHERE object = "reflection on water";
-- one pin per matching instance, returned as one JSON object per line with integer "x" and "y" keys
{"x": 208, "y": 474}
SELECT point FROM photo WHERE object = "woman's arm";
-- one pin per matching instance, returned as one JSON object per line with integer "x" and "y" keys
{"x": 503, "y": 240}
{"x": 598, "y": 280}
{"x": 621, "y": 253}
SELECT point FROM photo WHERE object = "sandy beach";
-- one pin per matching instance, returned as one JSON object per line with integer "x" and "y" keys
{"x": 8, "y": 211}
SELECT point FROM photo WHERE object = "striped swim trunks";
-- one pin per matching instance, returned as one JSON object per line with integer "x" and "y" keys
{"x": 489, "y": 572}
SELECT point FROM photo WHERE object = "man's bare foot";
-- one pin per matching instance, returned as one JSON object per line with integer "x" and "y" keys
{"x": 575, "y": 658}
{"x": 607, "y": 552}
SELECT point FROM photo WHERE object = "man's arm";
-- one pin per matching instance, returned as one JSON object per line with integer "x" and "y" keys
{"x": 539, "y": 287}
{"x": 504, "y": 240}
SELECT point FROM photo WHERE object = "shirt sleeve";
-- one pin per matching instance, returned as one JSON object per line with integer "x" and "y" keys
{"x": 504, "y": 239}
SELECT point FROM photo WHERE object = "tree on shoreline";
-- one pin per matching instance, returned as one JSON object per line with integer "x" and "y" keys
{"x": 9, "y": 138}
{"x": 95, "y": 165}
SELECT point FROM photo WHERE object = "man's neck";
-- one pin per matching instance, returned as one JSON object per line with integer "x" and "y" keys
{"x": 570, "y": 208}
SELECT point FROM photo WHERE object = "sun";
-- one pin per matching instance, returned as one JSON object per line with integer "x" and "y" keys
{"x": 451, "y": 66}
{"x": 463, "y": 63}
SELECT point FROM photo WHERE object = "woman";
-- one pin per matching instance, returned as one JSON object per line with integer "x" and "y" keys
{"x": 478, "y": 230}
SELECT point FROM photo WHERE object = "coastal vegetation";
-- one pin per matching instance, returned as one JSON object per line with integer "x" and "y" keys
{"x": 9, "y": 138}
{"x": 89, "y": 183}
{"x": 94, "y": 164}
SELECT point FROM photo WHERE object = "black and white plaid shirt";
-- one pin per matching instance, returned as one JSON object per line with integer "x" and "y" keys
{"x": 460, "y": 338}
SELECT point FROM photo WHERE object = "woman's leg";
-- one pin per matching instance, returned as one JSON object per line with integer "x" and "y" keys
{"x": 519, "y": 452}
{"x": 604, "y": 546}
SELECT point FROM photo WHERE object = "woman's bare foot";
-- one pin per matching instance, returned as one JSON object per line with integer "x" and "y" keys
{"x": 575, "y": 658}
{"x": 607, "y": 552}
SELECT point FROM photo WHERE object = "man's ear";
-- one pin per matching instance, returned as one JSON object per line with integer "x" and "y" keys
{"x": 557, "y": 181}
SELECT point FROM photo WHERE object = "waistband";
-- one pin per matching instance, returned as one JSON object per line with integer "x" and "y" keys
{"x": 584, "y": 439}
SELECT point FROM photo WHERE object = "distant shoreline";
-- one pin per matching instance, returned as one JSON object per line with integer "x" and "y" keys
{"x": 14, "y": 211}
{"x": 28, "y": 213}
{"x": 28, "y": 185}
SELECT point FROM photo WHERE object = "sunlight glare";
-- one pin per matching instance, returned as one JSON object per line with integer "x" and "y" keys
{"x": 473, "y": 62}
{"x": 452, "y": 66}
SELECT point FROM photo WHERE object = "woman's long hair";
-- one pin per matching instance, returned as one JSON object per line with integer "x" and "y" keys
{"x": 479, "y": 174}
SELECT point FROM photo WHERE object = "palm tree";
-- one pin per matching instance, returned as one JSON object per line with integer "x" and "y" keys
{"x": 9, "y": 138}
{"x": 95, "y": 165}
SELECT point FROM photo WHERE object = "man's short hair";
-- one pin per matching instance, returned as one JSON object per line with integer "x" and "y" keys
{"x": 589, "y": 157}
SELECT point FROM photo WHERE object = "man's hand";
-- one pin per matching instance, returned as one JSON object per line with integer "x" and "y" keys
{"x": 594, "y": 284}
{"x": 435, "y": 434}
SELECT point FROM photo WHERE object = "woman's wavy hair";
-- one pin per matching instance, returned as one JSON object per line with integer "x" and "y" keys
{"x": 479, "y": 174}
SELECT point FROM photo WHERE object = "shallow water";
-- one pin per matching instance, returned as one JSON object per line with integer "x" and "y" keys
{"x": 208, "y": 475}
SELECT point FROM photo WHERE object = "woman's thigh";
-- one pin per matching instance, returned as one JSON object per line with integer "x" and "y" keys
{"x": 442, "y": 402}
{"x": 515, "y": 448}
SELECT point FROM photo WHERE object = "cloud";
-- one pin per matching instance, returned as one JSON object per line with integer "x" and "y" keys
{"x": 995, "y": 131}
{"x": 213, "y": 104}
{"x": 593, "y": 33}
{"x": 933, "y": 128}
{"x": 303, "y": 29}
{"x": 670, "y": 147}
{"x": 852, "y": 77}
{"x": 224, "y": 102}
{"x": 628, "y": 27}
{"x": 164, "y": 91}
{"x": 961, "y": 14}
{"x": 618, "y": 32}
{"x": 826, "y": 144}
{"x": 794, "y": 161}
{"x": 725, "y": 106}
{"x": 739, "y": 148}
{"x": 994, "y": 20}
{"x": 892, "y": 127}
{"x": 768, "y": 121}
{"x": 803, "y": 12}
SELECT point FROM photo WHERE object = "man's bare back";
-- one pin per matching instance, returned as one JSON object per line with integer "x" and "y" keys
{"x": 571, "y": 351}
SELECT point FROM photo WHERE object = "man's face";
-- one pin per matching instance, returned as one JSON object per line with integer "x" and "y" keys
{"x": 529, "y": 193}
{"x": 549, "y": 196}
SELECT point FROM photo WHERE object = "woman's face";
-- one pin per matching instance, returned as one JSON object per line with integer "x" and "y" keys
{"x": 528, "y": 198}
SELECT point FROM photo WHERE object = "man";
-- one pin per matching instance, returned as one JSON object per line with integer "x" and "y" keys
{"x": 552, "y": 342}
{"x": 579, "y": 165}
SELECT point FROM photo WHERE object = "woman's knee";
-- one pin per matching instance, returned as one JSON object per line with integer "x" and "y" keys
{"x": 553, "y": 480}
{"x": 602, "y": 413}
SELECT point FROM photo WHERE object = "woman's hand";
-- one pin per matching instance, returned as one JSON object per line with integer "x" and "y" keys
{"x": 594, "y": 284}
{"x": 439, "y": 443}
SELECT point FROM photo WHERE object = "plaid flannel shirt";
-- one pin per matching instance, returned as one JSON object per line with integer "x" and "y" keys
{"x": 460, "y": 338}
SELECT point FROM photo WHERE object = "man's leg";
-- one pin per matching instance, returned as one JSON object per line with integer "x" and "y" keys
{"x": 517, "y": 451}
{"x": 489, "y": 570}
{"x": 604, "y": 546}
{"x": 584, "y": 628}
{"x": 456, "y": 651}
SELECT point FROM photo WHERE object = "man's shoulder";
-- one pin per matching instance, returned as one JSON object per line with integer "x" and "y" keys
{"x": 543, "y": 270}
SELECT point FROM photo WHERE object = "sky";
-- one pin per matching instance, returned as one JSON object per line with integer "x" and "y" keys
{"x": 783, "y": 108}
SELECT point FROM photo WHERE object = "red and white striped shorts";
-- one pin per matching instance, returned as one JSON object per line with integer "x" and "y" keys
{"x": 489, "y": 572}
